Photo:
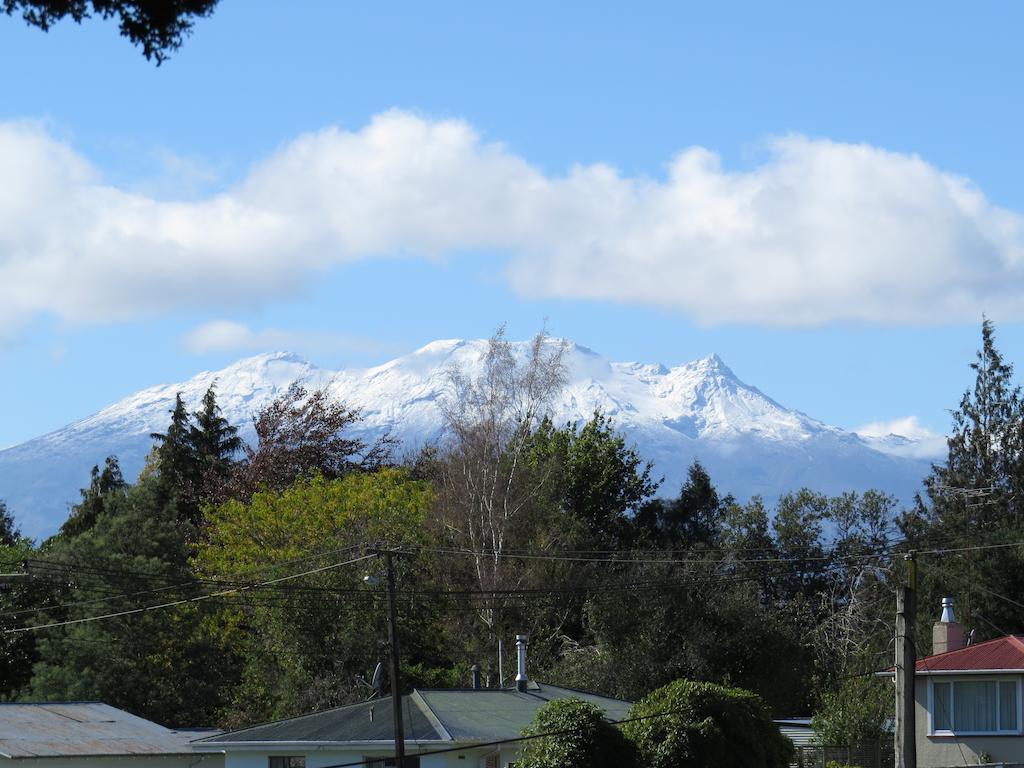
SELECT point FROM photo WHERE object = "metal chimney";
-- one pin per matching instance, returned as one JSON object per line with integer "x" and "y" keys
{"x": 521, "y": 678}
{"x": 474, "y": 673}
{"x": 947, "y": 611}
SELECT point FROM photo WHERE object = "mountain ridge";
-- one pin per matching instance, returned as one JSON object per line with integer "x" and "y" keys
{"x": 750, "y": 443}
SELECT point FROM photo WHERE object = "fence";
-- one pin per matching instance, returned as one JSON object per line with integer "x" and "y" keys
{"x": 878, "y": 754}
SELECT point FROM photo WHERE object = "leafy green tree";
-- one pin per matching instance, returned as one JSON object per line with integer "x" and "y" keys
{"x": 304, "y": 643}
{"x": 158, "y": 26}
{"x": 798, "y": 542}
{"x": 162, "y": 664}
{"x": 692, "y": 622}
{"x": 854, "y": 712}
{"x": 597, "y": 478}
{"x": 686, "y": 724}
{"x": 580, "y": 735}
{"x": 18, "y": 597}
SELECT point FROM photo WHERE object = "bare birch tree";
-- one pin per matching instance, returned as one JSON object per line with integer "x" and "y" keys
{"x": 488, "y": 484}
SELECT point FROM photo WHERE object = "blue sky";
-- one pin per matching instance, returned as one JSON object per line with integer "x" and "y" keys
{"x": 828, "y": 197}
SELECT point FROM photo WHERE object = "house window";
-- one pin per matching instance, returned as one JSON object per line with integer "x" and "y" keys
{"x": 411, "y": 761}
{"x": 287, "y": 762}
{"x": 975, "y": 706}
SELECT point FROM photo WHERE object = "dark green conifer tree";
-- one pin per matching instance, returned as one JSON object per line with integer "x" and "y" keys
{"x": 694, "y": 518}
{"x": 177, "y": 465}
{"x": 101, "y": 485}
{"x": 215, "y": 443}
{"x": 975, "y": 499}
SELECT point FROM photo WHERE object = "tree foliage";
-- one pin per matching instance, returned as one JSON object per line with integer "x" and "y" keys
{"x": 580, "y": 735}
{"x": 854, "y": 712}
{"x": 687, "y": 723}
{"x": 102, "y": 484}
{"x": 976, "y": 498}
{"x": 597, "y": 480}
{"x": 299, "y": 435}
{"x": 163, "y": 664}
{"x": 194, "y": 458}
{"x": 158, "y": 26}
{"x": 304, "y": 650}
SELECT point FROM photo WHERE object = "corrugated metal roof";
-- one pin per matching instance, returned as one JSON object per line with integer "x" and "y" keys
{"x": 1003, "y": 654}
{"x": 428, "y": 715}
{"x": 798, "y": 730}
{"x": 82, "y": 728}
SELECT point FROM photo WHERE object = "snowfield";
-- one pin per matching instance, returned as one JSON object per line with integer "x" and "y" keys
{"x": 749, "y": 443}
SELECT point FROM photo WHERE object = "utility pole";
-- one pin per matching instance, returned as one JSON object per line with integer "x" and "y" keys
{"x": 906, "y": 664}
{"x": 396, "y": 689}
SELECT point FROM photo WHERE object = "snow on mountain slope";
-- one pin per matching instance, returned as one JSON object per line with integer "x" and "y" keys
{"x": 749, "y": 443}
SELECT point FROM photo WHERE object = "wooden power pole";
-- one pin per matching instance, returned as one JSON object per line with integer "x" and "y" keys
{"x": 396, "y": 687}
{"x": 906, "y": 664}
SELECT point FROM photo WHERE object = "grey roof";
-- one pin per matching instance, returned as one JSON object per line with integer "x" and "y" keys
{"x": 367, "y": 721}
{"x": 55, "y": 729}
{"x": 429, "y": 715}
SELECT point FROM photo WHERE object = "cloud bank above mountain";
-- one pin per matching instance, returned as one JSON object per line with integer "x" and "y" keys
{"x": 820, "y": 232}
{"x": 231, "y": 336}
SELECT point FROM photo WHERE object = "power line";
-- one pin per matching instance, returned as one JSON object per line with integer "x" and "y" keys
{"x": 184, "y": 601}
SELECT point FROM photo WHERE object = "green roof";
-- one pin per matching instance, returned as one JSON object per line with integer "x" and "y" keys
{"x": 428, "y": 715}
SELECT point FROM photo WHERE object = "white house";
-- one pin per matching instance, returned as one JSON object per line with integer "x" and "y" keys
{"x": 462, "y": 728}
{"x": 968, "y": 698}
{"x": 450, "y": 728}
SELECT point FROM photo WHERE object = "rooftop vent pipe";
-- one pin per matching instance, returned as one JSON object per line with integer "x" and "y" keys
{"x": 521, "y": 678}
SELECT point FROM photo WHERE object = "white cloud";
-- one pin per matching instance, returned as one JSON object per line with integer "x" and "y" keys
{"x": 904, "y": 436}
{"x": 820, "y": 232}
{"x": 231, "y": 336}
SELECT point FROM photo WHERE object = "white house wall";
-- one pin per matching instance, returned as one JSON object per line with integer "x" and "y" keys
{"x": 323, "y": 758}
{"x": 943, "y": 751}
{"x": 128, "y": 761}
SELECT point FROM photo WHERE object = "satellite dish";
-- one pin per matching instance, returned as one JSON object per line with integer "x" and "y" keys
{"x": 376, "y": 680}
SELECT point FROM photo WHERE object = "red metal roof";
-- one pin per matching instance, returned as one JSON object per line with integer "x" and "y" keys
{"x": 1003, "y": 653}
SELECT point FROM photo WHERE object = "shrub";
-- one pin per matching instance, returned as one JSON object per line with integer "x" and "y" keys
{"x": 687, "y": 724}
{"x": 581, "y": 736}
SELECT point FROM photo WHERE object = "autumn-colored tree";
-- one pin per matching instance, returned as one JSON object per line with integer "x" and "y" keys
{"x": 301, "y": 434}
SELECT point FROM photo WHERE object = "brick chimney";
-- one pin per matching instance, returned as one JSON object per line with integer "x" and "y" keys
{"x": 947, "y": 634}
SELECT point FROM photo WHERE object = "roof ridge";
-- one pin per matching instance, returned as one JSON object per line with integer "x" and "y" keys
{"x": 294, "y": 717}
{"x": 580, "y": 690}
{"x": 432, "y": 717}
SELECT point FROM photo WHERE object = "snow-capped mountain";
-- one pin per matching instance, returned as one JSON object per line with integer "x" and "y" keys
{"x": 749, "y": 443}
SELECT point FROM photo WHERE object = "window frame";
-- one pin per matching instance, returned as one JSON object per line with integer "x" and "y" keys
{"x": 951, "y": 680}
